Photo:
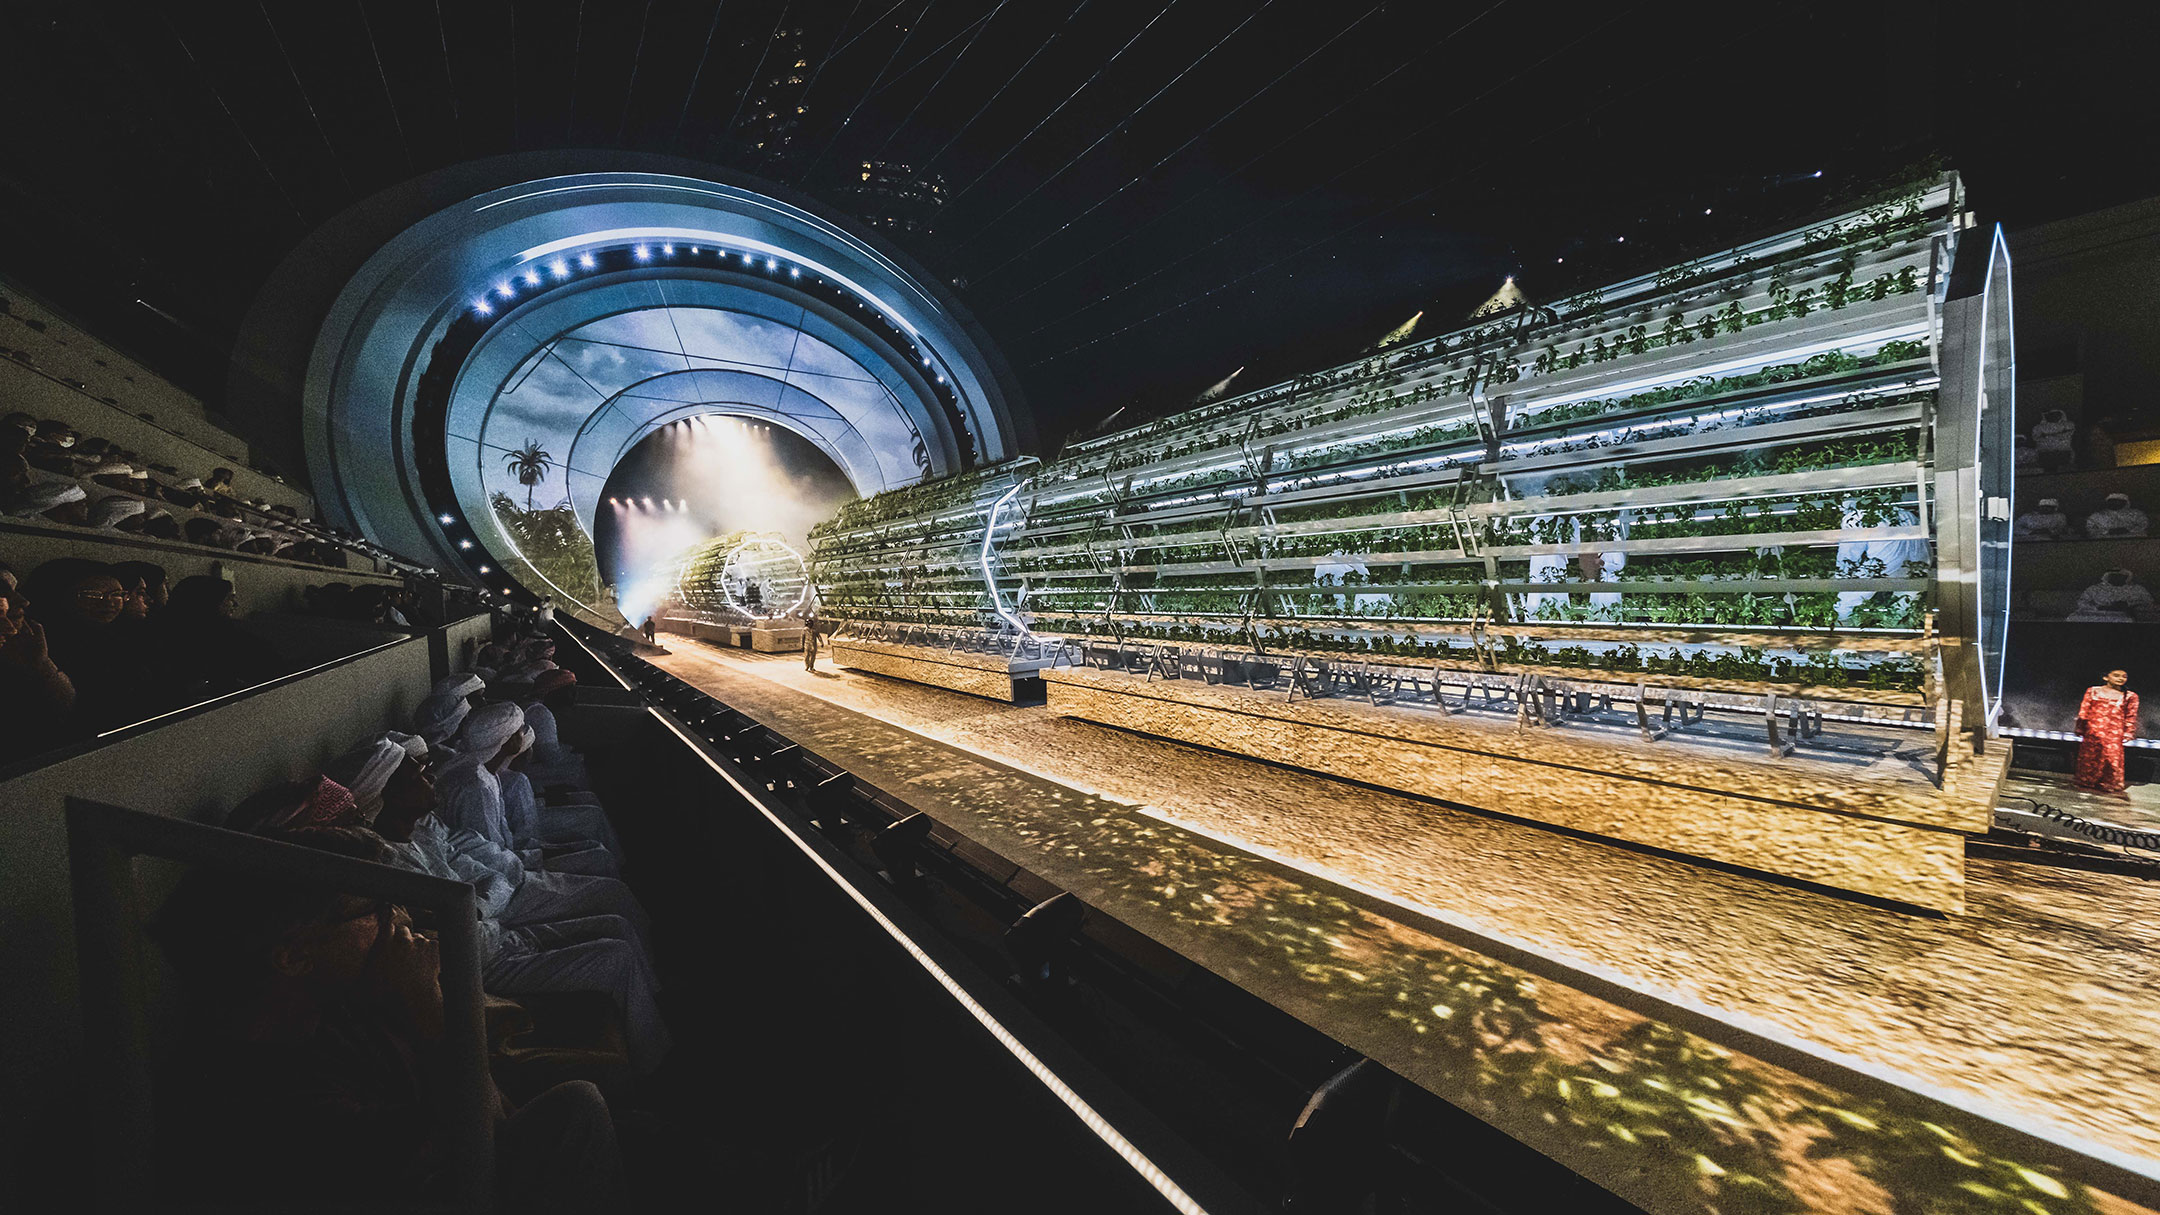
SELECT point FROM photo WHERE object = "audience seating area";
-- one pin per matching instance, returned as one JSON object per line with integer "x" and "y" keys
{"x": 96, "y": 636}
{"x": 254, "y": 1067}
{"x": 52, "y": 368}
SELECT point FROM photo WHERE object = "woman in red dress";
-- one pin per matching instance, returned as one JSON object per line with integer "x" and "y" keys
{"x": 2107, "y": 718}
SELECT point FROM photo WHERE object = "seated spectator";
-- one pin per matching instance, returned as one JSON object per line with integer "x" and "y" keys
{"x": 2117, "y": 520}
{"x": 204, "y": 651}
{"x": 314, "y": 1057}
{"x": 112, "y": 474}
{"x": 185, "y": 492}
{"x": 79, "y": 602}
{"x": 437, "y": 720}
{"x": 469, "y": 786}
{"x": 15, "y": 475}
{"x": 58, "y": 501}
{"x": 469, "y": 789}
{"x": 37, "y": 693}
{"x": 113, "y": 511}
{"x": 464, "y": 684}
{"x": 548, "y": 841}
{"x": 200, "y": 529}
{"x": 151, "y": 577}
{"x": 160, "y": 524}
{"x": 552, "y": 762}
{"x": 295, "y": 806}
{"x": 335, "y": 600}
{"x": 585, "y": 953}
{"x": 49, "y": 448}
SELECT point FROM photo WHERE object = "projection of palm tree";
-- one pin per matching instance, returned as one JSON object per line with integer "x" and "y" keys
{"x": 530, "y": 465}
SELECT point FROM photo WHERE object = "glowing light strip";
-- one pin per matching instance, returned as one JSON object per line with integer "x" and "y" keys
{"x": 1172, "y": 1193}
{"x": 776, "y": 252}
{"x": 2152, "y": 744}
{"x": 1992, "y": 705}
{"x": 1545, "y": 403}
{"x": 1913, "y": 329}
{"x": 737, "y": 199}
{"x": 997, "y": 601}
{"x": 737, "y": 551}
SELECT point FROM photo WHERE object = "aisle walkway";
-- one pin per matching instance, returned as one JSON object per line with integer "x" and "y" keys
{"x": 2037, "y": 1007}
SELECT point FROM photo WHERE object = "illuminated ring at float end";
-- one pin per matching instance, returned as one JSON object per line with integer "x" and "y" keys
{"x": 729, "y": 568}
{"x": 407, "y": 328}
{"x": 990, "y": 526}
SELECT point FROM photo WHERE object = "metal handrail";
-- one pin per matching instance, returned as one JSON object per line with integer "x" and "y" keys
{"x": 103, "y": 842}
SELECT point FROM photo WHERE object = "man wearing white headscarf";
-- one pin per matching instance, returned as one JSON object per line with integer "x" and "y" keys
{"x": 111, "y": 512}
{"x": 44, "y": 496}
{"x": 437, "y": 718}
{"x": 463, "y": 684}
{"x": 470, "y": 795}
{"x": 597, "y": 952}
{"x": 365, "y": 771}
{"x": 545, "y": 839}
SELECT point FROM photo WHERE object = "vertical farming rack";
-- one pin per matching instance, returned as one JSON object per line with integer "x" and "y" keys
{"x": 1756, "y": 503}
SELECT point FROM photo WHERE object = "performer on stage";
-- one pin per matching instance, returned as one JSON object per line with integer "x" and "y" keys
{"x": 2107, "y": 718}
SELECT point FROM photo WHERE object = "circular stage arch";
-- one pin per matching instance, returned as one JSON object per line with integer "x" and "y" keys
{"x": 473, "y": 352}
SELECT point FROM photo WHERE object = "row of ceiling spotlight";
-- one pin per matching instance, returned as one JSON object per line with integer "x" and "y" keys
{"x": 560, "y": 270}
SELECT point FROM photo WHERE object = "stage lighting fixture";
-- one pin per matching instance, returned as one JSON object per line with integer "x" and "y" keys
{"x": 643, "y": 253}
{"x": 648, "y": 503}
{"x": 481, "y": 307}
{"x": 828, "y": 801}
{"x": 559, "y": 268}
{"x": 669, "y": 250}
{"x": 895, "y": 846}
{"x": 795, "y": 271}
{"x": 505, "y": 290}
{"x": 486, "y": 570}
{"x": 532, "y": 278}
{"x": 771, "y": 264}
{"x": 585, "y": 260}
{"x": 446, "y": 518}
{"x": 464, "y": 544}
{"x": 1041, "y": 940}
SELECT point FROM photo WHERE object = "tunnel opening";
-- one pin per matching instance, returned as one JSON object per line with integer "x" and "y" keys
{"x": 701, "y": 478}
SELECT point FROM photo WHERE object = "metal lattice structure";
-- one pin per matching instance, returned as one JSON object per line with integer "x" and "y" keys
{"x": 1763, "y": 476}
{"x": 740, "y": 577}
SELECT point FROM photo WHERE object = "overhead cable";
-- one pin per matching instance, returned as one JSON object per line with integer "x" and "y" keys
{"x": 1037, "y": 283}
{"x": 1059, "y": 108}
{"x": 1125, "y": 122}
{"x": 1175, "y": 152}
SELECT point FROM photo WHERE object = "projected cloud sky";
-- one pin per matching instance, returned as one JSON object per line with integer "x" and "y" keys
{"x": 587, "y": 395}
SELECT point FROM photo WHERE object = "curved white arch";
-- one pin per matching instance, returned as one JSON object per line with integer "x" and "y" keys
{"x": 377, "y": 336}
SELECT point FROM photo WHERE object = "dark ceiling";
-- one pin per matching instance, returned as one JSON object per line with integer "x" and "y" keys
{"x": 1143, "y": 194}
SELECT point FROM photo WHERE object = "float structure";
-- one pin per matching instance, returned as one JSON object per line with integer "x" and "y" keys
{"x": 745, "y": 588}
{"x": 1714, "y": 560}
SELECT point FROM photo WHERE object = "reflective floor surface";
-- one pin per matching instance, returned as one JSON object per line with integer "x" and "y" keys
{"x": 2036, "y": 1007}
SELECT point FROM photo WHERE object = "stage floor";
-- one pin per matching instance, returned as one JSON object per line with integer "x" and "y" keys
{"x": 2036, "y": 1008}
{"x": 2137, "y": 807}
